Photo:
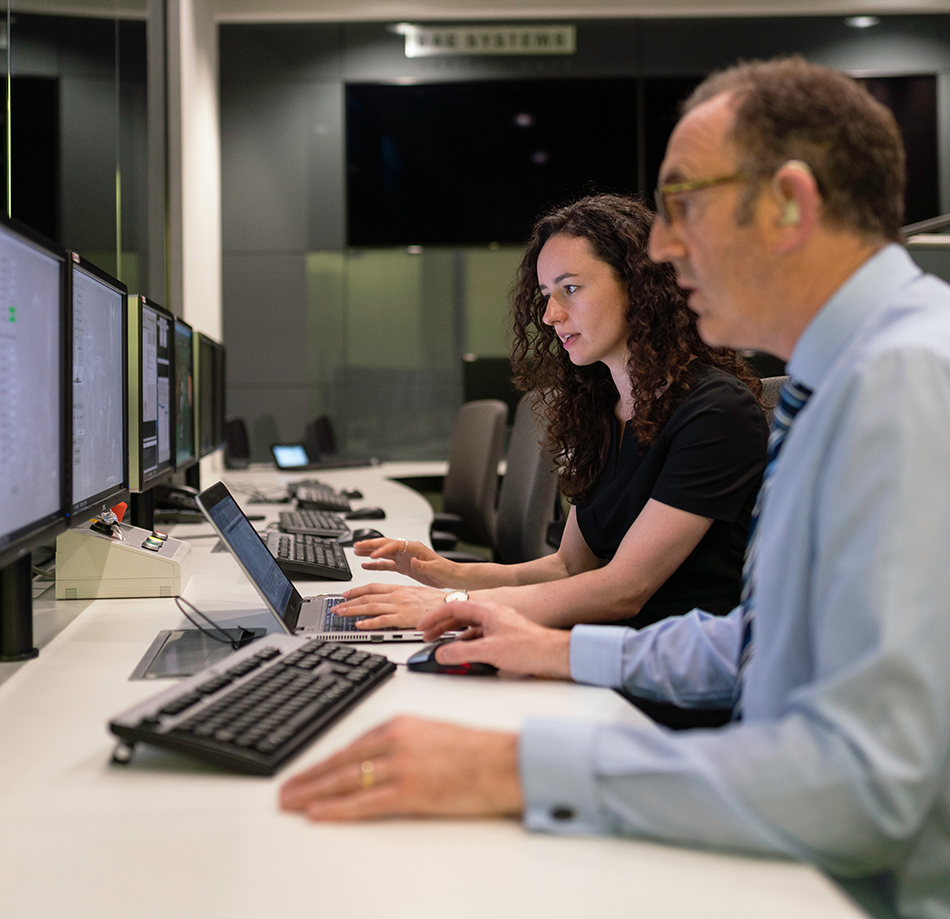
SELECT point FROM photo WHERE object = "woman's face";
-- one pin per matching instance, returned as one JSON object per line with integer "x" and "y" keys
{"x": 586, "y": 303}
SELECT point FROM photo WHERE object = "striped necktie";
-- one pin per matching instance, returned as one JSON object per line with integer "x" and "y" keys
{"x": 791, "y": 401}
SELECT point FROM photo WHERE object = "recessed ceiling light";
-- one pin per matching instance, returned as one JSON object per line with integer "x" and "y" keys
{"x": 861, "y": 22}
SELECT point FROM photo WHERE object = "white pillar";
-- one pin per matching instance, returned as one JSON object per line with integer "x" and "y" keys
{"x": 194, "y": 166}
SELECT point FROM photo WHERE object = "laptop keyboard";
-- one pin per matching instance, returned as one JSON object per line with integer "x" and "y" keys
{"x": 308, "y": 556}
{"x": 257, "y": 708}
{"x": 313, "y": 523}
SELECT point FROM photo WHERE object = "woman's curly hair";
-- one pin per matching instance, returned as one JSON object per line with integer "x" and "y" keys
{"x": 662, "y": 340}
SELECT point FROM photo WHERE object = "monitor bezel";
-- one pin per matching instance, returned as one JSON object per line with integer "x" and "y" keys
{"x": 107, "y": 499}
{"x": 220, "y": 393}
{"x": 217, "y": 404}
{"x": 137, "y": 482}
{"x": 15, "y": 545}
{"x": 187, "y": 464}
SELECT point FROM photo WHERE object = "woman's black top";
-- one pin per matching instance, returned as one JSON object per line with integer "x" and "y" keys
{"x": 708, "y": 459}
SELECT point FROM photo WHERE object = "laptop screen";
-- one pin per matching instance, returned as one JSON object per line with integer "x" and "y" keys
{"x": 290, "y": 456}
{"x": 246, "y": 546}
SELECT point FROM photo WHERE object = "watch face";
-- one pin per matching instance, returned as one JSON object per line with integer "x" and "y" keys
{"x": 454, "y": 595}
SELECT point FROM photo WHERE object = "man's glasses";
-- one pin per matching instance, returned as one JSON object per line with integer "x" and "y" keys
{"x": 663, "y": 192}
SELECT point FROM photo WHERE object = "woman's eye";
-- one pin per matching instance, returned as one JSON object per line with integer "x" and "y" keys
{"x": 570, "y": 288}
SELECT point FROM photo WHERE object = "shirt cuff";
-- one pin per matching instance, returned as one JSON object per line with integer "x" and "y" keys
{"x": 557, "y": 779}
{"x": 597, "y": 655}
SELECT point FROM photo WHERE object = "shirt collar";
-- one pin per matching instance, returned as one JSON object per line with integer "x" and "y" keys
{"x": 869, "y": 289}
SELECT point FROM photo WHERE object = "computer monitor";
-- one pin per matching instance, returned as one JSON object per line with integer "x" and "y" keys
{"x": 219, "y": 398}
{"x": 186, "y": 452}
{"x": 99, "y": 372}
{"x": 489, "y": 378}
{"x": 34, "y": 422}
{"x": 151, "y": 377}
{"x": 210, "y": 374}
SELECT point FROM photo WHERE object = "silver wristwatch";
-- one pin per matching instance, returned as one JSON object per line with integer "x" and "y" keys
{"x": 454, "y": 595}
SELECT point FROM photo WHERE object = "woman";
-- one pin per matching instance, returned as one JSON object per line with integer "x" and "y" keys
{"x": 660, "y": 441}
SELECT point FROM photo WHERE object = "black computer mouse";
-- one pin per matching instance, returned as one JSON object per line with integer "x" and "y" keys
{"x": 424, "y": 660}
{"x": 347, "y": 539}
{"x": 366, "y": 513}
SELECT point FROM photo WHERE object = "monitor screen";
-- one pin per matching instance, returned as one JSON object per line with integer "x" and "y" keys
{"x": 469, "y": 163}
{"x": 219, "y": 393}
{"x": 151, "y": 375}
{"x": 211, "y": 399}
{"x": 99, "y": 374}
{"x": 185, "y": 452}
{"x": 33, "y": 368}
{"x": 489, "y": 378}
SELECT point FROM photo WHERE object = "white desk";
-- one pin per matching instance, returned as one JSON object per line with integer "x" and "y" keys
{"x": 165, "y": 837}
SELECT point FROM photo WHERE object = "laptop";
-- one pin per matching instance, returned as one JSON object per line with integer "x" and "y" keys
{"x": 295, "y": 457}
{"x": 296, "y": 615}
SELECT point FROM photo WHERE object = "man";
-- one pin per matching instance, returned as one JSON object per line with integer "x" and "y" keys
{"x": 780, "y": 203}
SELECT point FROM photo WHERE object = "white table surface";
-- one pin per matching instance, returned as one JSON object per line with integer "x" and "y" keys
{"x": 167, "y": 837}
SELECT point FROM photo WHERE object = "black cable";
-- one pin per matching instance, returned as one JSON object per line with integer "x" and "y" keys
{"x": 244, "y": 635}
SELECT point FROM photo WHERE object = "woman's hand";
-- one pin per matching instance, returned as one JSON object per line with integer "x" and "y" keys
{"x": 413, "y": 559}
{"x": 501, "y": 636}
{"x": 389, "y": 605}
{"x": 412, "y": 767}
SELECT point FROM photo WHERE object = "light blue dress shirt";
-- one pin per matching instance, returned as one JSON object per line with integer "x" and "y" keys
{"x": 843, "y": 754}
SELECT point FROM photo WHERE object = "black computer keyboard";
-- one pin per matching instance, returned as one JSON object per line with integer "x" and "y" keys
{"x": 308, "y": 556}
{"x": 316, "y": 496}
{"x": 313, "y": 523}
{"x": 257, "y": 708}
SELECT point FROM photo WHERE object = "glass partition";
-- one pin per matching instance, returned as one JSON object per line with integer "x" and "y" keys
{"x": 75, "y": 151}
{"x": 386, "y": 332}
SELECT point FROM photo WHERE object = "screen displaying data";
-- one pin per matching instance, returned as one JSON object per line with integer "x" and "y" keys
{"x": 31, "y": 379}
{"x": 99, "y": 389}
{"x": 155, "y": 426}
{"x": 184, "y": 395}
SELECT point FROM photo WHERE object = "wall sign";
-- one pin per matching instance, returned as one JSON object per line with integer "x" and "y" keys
{"x": 475, "y": 40}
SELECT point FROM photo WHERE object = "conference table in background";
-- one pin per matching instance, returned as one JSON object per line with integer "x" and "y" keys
{"x": 166, "y": 836}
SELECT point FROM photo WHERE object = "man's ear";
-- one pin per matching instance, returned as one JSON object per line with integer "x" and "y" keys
{"x": 791, "y": 214}
{"x": 796, "y": 195}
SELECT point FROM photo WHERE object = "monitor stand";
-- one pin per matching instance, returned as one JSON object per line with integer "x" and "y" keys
{"x": 193, "y": 476}
{"x": 143, "y": 509}
{"x": 16, "y": 601}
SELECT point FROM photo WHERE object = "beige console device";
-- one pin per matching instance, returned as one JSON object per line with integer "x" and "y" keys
{"x": 97, "y": 561}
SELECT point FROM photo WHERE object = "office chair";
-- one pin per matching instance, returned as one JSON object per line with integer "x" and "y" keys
{"x": 471, "y": 482}
{"x": 319, "y": 439}
{"x": 237, "y": 446}
{"x": 528, "y": 500}
{"x": 771, "y": 386}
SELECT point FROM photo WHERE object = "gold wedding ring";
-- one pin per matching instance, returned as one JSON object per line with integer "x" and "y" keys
{"x": 367, "y": 773}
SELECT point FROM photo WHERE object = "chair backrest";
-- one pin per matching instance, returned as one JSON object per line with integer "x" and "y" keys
{"x": 471, "y": 482}
{"x": 771, "y": 386}
{"x": 237, "y": 446}
{"x": 320, "y": 439}
{"x": 529, "y": 490}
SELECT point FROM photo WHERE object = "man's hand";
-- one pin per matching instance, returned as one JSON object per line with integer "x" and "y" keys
{"x": 412, "y": 767}
{"x": 501, "y": 636}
